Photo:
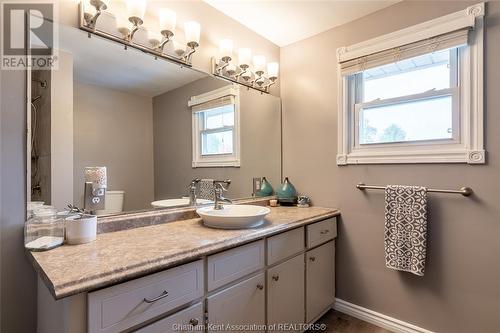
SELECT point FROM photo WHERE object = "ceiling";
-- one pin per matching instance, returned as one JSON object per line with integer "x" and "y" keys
{"x": 286, "y": 22}
{"x": 98, "y": 61}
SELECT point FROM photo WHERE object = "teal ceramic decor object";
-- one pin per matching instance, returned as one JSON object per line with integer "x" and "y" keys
{"x": 287, "y": 195}
{"x": 266, "y": 189}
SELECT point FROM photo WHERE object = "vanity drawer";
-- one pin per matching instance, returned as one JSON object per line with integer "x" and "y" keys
{"x": 120, "y": 307}
{"x": 233, "y": 264}
{"x": 321, "y": 232}
{"x": 284, "y": 245}
{"x": 190, "y": 319}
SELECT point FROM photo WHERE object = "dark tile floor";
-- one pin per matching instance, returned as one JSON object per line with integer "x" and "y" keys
{"x": 337, "y": 322}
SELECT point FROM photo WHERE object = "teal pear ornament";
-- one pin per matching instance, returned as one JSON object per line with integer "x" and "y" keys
{"x": 266, "y": 189}
{"x": 287, "y": 195}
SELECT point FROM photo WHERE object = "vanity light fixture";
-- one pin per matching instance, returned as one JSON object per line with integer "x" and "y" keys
{"x": 192, "y": 31}
{"x": 91, "y": 19}
{"x": 168, "y": 20}
{"x": 134, "y": 19}
{"x": 239, "y": 71}
{"x": 226, "y": 53}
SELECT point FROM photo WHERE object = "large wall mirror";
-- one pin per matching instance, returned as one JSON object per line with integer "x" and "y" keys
{"x": 154, "y": 126}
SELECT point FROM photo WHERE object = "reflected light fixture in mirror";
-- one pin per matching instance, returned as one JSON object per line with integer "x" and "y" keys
{"x": 226, "y": 53}
{"x": 168, "y": 20}
{"x": 135, "y": 12}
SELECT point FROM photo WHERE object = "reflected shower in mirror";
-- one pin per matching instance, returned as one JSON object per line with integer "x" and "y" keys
{"x": 162, "y": 132}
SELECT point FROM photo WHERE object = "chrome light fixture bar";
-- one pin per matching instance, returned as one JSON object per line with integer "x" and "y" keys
{"x": 128, "y": 29}
{"x": 242, "y": 74}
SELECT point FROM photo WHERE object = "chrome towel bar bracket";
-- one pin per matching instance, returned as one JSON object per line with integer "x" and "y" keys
{"x": 465, "y": 191}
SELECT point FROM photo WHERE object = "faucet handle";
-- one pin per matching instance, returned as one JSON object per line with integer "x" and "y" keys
{"x": 222, "y": 184}
{"x": 194, "y": 182}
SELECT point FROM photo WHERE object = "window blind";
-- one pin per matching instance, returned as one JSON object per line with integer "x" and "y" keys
{"x": 442, "y": 42}
{"x": 214, "y": 103}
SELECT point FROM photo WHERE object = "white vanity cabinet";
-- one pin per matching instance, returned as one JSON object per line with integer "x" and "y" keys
{"x": 285, "y": 290}
{"x": 320, "y": 280}
{"x": 279, "y": 280}
{"x": 241, "y": 304}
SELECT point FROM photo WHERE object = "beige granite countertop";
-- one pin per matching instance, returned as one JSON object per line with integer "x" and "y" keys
{"x": 124, "y": 255}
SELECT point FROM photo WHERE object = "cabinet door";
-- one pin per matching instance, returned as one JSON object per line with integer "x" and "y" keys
{"x": 285, "y": 302}
{"x": 320, "y": 280}
{"x": 241, "y": 304}
{"x": 188, "y": 320}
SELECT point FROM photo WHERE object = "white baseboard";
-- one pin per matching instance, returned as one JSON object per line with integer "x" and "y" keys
{"x": 379, "y": 319}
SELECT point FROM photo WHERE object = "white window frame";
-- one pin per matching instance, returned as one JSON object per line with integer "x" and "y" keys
{"x": 467, "y": 146}
{"x": 215, "y": 160}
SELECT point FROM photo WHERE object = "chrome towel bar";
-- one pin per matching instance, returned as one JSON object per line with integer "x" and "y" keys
{"x": 465, "y": 191}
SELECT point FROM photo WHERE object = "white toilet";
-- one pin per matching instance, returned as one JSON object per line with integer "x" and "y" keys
{"x": 114, "y": 203}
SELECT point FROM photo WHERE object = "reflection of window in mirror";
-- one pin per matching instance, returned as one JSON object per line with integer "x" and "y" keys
{"x": 216, "y": 128}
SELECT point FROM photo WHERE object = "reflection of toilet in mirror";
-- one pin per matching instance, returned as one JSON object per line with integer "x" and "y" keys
{"x": 114, "y": 203}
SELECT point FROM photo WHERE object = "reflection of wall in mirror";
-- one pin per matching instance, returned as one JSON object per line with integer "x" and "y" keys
{"x": 114, "y": 129}
{"x": 260, "y": 141}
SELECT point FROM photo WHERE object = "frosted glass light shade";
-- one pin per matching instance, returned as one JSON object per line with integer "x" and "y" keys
{"x": 154, "y": 37}
{"x": 226, "y": 48}
{"x": 273, "y": 69}
{"x": 259, "y": 63}
{"x": 244, "y": 56}
{"x": 192, "y": 31}
{"x": 123, "y": 25}
{"x": 168, "y": 19}
{"x": 136, "y": 8}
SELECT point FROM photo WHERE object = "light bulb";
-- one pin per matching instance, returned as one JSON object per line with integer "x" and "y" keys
{"x": 192, "y": 31}
{"x": 273, "y": 69}
{"x": 259, "y": 64}
{"x": 168, "y": 19}
{"x": 244, "y": 57}
{"x": 136, "y": 9}
{"x": 226, "y": 49}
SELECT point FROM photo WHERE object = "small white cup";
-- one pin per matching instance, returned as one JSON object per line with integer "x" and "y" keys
{"x": 80, "y": 229}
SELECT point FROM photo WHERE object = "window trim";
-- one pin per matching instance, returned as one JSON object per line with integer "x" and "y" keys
{"x": 469, "y": 148}
{"x": 215, "y": 160}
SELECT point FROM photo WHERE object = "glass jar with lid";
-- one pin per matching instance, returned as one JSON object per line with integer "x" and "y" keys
{"x": 44, "y": 230}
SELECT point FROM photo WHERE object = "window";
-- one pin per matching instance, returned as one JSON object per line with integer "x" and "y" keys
{"x": 405, "y": 99}
{"x": 408, "y": 101}
{"x": 216, "y": 128}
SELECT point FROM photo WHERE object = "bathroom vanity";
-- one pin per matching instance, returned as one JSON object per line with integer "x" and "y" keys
{"x": 181, "y": 275}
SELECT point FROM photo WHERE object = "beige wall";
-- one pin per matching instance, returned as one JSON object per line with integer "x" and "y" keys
{"x": 460, "y": 291}
{"x": 114, "y": 129}
{"x": 260, "y": 141}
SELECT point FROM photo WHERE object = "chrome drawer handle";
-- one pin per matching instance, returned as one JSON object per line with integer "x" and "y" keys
{"x": 194, "y": 322}
{"x": 276, "y": 277}
{"x": 260, "y": 286}
{"x": 163, "y": 295}
{"x": 324, "y": 232}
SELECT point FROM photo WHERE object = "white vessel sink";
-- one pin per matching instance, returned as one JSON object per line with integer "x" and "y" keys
{"x": 233, "y": 216}
{"x": 179, "y": 202}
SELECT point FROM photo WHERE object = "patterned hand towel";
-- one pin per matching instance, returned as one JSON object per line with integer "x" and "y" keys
{"x": 406, "y": 228}
{"x": 207, "y": 189}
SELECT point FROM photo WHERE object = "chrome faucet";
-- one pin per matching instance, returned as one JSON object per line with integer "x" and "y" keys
{"x": 221, "y": 186}
{"x": 192, "y": 191}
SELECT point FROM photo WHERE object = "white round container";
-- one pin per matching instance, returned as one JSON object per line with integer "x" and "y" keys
{"x": 81, "y": 229}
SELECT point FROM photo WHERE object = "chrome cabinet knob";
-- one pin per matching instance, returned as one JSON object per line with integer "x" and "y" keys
{"x": 193, "y": 322}
{"x": 260, "y": 286}
{"x": 313, "y": 259}
{"x": 276, "y": 277}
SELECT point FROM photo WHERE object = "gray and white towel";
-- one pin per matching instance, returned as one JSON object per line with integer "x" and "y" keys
{"x": 207, "y": 189}
{"x": 406, "y": 228}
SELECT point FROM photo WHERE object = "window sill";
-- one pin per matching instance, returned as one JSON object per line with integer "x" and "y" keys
{"x": 214, "y": 164}
{"x": 415, "y": 156}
